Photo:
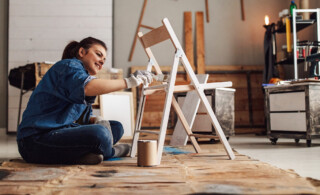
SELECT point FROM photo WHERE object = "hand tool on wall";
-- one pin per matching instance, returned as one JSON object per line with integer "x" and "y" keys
{"x": 242, "y": 10}
{"x": 188, "y": 40}
{"x": 288, "y": 35}
{"x": 207, "y": 10}
{"x": 138, "y": 29}
{"x": 148, "y": 27}
{"x": 200, "y": 43}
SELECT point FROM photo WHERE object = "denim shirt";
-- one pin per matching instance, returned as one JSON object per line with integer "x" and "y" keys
{"x": 58, "y": 100}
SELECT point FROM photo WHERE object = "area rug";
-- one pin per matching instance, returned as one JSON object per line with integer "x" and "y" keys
{"x": 181, "y": 172}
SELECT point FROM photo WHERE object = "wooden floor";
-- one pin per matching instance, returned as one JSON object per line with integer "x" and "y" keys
{"x": 181, "y": 172}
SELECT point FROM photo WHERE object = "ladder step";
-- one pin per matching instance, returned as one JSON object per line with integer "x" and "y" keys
{"x": 148, "y": 131}
{"x": 204, "y": 136}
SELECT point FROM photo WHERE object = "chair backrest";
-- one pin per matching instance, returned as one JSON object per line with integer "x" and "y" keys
{"x": 156, "y": 36}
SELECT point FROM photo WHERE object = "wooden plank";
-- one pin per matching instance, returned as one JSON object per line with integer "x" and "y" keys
{"x": 148, "y": 131}
{"x": 152, "y": 119}
{"x": 200, "y": 43}
{"x": 188, "y": 38}
{"x": 137, "y": 30}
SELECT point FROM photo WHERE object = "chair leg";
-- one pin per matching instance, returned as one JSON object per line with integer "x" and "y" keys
{"x": 186, "y": 126}
{"x": 138, "y": 125}
{"x": 167, "y": 105}
{"x": 216, "y": 125}
{"x": 189, "y": 110}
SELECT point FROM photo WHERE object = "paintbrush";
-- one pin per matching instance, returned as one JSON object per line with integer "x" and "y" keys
{"x": 161, "y": 77}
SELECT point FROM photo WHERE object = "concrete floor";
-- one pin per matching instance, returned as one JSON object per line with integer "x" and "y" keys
{"x": 286, "y": 154}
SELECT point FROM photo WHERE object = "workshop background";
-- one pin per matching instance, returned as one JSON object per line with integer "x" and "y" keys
{"x": 229, "y": 40}
{"x": 253, "y": 114}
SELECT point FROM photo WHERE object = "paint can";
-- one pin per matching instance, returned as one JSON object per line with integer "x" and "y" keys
{"x": 147, "y": 153}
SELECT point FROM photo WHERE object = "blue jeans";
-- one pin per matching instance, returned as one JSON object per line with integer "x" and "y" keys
{"x": 64, "y": 146}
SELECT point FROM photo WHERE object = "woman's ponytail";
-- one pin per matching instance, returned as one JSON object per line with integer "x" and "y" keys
{"x": 70, "y": 51}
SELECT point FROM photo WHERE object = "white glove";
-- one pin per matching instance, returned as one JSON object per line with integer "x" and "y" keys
{"x": 101, "y": 121}
{"x": 139, "y": 77}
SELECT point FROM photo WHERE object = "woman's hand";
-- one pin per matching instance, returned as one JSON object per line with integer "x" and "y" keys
{"x": 139, "y": 77}
{"x": 103, "y": 86}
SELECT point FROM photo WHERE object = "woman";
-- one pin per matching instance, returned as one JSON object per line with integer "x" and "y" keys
{"x": 57, "y": 127}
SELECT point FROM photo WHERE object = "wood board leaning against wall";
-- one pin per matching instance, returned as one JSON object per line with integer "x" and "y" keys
{"x": 249, "y": 97}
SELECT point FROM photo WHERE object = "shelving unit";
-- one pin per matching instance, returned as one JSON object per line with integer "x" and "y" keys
{"x": 292, "y": 111}
{"x": 298, "y": 25}
{"x": 302, "y": 25}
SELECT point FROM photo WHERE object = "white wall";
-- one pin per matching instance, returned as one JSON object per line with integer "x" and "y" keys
{"x": 3, "y": 63}
{"x": 40, "y": 29}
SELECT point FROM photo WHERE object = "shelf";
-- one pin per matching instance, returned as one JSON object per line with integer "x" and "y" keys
{"x": 305, "y": 21}
{"x": 289, "y": 61}
{"x": 314, "y": 57}
{"x": 301, "y": 24}
{"x": 296, "y": 23}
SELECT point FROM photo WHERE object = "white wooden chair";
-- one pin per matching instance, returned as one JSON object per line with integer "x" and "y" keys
{"x": 151, "y": 38}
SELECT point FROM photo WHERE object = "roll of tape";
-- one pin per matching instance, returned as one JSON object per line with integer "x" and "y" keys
{"x": 147, "y": 153}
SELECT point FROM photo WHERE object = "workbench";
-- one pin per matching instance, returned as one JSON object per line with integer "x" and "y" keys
{"x": 292, "y": 111}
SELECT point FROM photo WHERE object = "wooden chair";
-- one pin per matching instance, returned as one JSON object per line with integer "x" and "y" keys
{"x": 154, "y": 37}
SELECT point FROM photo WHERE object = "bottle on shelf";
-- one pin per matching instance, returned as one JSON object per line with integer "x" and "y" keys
{"x": 292, "y": 6}
{"x": 304, "y": 4}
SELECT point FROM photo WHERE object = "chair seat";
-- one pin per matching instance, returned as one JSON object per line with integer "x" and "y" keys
{"x": 185, "y": 88}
